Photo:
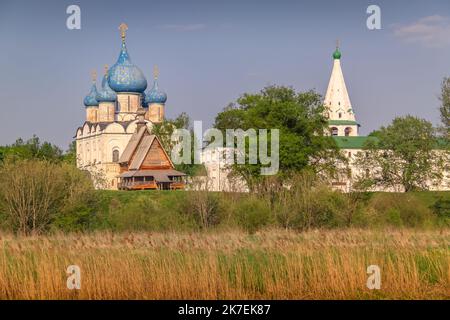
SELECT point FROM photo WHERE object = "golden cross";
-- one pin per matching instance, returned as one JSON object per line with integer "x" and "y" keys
{"x": 337, "y": 43}
{"x": 106, "y": 68}
{"x": 94, "y": 75}
{"x": 155, "y": 72}
{"x": 123, "y": 30}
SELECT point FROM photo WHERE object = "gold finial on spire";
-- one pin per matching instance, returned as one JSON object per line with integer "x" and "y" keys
{"x": 155, "y": 72}
{"x": 105, "y": 67}
{"x": 123, "y": 31}
{"x": 94, "y": 75}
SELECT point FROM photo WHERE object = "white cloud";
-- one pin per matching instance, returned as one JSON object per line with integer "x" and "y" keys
{"x": 430, "y": 31}
{"x": 182, "y": 27}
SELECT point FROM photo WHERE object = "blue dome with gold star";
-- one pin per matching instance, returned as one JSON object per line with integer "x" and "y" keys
{"x": 124, "y": 76}
{"x": 154, "y": 95}
{"x": 106, "y": 94}
{"x": 91, "y": 99}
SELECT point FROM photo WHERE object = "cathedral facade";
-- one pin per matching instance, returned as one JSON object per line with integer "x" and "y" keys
{"x": 111, "y": 117}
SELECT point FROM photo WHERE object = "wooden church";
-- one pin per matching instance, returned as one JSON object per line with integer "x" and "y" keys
{"x": 145, "y": 165}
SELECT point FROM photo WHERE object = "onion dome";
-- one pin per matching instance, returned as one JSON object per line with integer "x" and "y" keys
{"x": 124, "y": 76}
{"x": 91, "y": 99}
{"x": 337, "y": 53}
{"x": 106, "y": 94}
{"x": 154, "y": 95}
{"x": 143, "y": 100}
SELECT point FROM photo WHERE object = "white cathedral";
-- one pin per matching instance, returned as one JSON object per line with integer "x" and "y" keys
{"x": 112, "y": 118}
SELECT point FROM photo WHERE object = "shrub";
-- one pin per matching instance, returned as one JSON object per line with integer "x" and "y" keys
{"x": 400, "y": 210}
{"x": 442, "y": 208}
{"x": 253, "y": 213}
{"x": 143, "y": 213}
{"x": 310, "y": 203}
{"x": 204, "y": 206}
{"x": 36, "y": 193}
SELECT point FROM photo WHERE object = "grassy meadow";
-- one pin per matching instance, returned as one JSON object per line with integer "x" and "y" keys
{"x": 314, "y": 244}
{"x": 270, "y": 264}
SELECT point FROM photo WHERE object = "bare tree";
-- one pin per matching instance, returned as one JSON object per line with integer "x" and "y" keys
{"x": 202, "y": 203}
{"x": 32, "y": 192}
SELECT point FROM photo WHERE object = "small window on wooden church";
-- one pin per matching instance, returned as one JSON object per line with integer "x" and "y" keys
{"x": 115, "y": 156}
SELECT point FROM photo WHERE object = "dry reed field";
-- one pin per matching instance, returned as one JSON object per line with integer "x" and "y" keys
{"x": 273, "y": 264}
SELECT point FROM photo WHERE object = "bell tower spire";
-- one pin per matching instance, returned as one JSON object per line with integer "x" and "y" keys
{"x": 338, "y": 108}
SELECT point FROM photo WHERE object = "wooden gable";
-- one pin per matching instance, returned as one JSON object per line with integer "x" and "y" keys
{"x": 156, "y": 158}
{"x": 145, "y": 152}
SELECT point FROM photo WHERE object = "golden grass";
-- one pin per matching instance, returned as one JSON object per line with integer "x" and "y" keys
{"x": 228, "y": 265}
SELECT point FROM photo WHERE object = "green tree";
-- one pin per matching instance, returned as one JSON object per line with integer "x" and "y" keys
{"x": 445, "y": 105}
{"x": 70, "y": 156}
{"x": 164, "y": 131}
{"x": 298, "y": 116}
{"x": 2, "y": 154}
{"x": 32, "y": 149}
{"x": 403, "y": 154}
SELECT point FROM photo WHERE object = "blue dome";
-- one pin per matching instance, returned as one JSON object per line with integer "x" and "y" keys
{"x": 91, "y": 99}
{"x": 143, "y": 100}
{"x": 106, "y": 94}
{"x": 155, "y": 95}
{"x": 124, "y": 76}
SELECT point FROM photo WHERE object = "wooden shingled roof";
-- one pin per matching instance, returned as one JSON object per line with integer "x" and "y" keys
{"x": 141, "y": 151}
{"x": 132, "y": 145}
{"x": 138, "y": 148}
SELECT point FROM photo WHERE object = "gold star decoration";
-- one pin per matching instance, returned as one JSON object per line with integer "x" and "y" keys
{"x": 155, "y": 72}
{"x": 123, "y": 30}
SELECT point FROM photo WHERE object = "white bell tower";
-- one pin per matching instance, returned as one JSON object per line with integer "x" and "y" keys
{"x": 339, "y": 111}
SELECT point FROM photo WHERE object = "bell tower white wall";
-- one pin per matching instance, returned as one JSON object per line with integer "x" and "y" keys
{"x": 339, "y": 111}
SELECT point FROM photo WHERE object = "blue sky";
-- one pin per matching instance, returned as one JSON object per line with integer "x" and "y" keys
{"x": 211, "y": 52}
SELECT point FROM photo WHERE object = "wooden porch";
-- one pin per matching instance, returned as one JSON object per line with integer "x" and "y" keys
{"x": 152, "y": 180}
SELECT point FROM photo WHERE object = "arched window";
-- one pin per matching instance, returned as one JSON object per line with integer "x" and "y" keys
{"x": 340, "y": 115}
{"x": 334, "y": 131}
{"x": 347, "y": 131}
{"x": 115, "y": 155}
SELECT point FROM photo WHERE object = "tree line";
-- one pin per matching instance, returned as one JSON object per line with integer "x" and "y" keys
{"x": 41, "y": 188}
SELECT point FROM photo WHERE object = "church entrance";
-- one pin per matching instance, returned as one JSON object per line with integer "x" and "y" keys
{"x": 164, "y": 185}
